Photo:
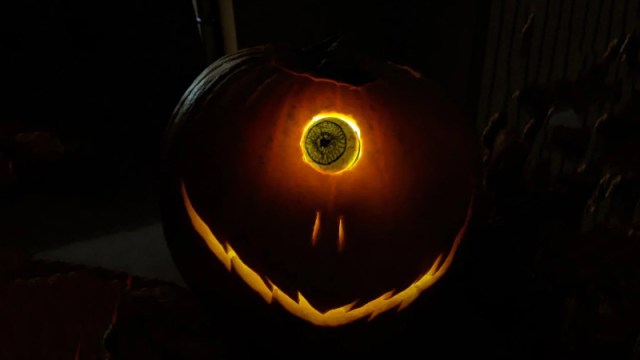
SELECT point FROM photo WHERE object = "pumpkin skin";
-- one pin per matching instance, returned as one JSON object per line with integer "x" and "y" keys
{"x": 243, "y": 208}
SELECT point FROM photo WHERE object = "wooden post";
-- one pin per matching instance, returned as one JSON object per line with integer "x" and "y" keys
{"x": 228, "y": 26}
{"x": 207, "y": 26}
{"x": 216, "y": 24}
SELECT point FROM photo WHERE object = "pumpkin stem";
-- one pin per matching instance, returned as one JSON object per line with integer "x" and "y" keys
{"x": 332, "y": 59}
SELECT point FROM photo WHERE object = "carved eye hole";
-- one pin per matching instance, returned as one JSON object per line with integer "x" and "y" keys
{"x": 325, "y": 142}
{"x": 331, "y": 143}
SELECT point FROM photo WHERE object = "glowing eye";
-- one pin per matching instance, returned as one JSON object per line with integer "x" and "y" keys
{"x": 325, "y": 142}
{"x": 331, "y": 143}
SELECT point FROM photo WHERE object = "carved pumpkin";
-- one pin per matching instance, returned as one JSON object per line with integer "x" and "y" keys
{"x": 333, "y": 188}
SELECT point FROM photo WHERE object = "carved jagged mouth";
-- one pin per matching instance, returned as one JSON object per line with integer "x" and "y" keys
{"x": 302, "y": 308}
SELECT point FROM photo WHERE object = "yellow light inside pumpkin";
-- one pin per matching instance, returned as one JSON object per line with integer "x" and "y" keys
{"x": 331, "y": 143}
{"x": 340, "y": 234}
{"x": 316, "y": 229}
{"x": 304, "y": 309}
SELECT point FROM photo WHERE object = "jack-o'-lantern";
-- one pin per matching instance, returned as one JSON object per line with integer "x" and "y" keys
{"x": 334, "y": 188}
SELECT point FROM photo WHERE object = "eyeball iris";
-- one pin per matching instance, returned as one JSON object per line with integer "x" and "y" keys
{"x": 331, "y": 143}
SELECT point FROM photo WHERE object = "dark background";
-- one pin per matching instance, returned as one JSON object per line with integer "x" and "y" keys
{"x": 103, "y": 79}
{"x": 88, "y": 88}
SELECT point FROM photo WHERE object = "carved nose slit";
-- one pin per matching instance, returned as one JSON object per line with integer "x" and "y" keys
{"x": 316, "y": 232}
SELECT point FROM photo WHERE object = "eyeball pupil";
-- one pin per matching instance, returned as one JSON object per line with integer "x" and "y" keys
{"x": 325, "y": 140}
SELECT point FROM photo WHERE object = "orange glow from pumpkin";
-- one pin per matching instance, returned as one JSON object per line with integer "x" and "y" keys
{"x": 340, "y": 234}
{"x": 316, "y": 229}
{"x": 352, "y": 143}
{"x": 302, "y": 308}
